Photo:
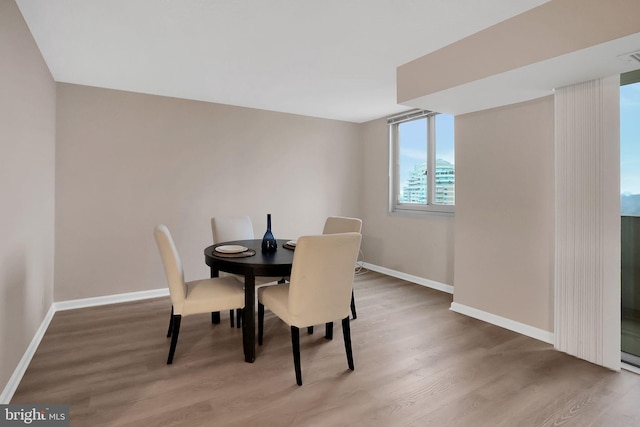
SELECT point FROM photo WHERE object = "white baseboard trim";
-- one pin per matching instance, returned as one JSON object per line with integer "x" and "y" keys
{"x": 110, "y": 299}
{"x": 18, "y": 373}
{"x": 630, "y": 368}
{"x": 503, "y": 322}
{"x": 410, "y": 278}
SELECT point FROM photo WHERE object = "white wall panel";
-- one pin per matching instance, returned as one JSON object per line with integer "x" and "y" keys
{"x": 587, "y": 273}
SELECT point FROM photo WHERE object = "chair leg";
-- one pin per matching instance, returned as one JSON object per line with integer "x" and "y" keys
{"x": 215, "y": 317}
{"x": 346, "y": 332}
{"x": 170, "y": 323}
{"x": 353, "y": 307}
{"x": 231, "y": 317}
{"x": 310, "y": 329}
{"x": 174, "y": 337}
{"x": 260, "y": 322}
{"x": 328, "y": 330}
{"x": 295, "y": 344}
{"x": 239, "y": 315}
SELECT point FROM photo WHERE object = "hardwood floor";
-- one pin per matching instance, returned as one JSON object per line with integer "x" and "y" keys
{"x": 416, "y": 364}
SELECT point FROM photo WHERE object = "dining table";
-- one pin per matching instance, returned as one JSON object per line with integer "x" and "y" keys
{"x": 249, "y": 261}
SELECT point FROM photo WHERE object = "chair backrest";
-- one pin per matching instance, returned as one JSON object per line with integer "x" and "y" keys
{"x": 322, "y": 278}
{"x": 172, "y": 265}
{"x": 342, "y": 224}
{"x": 228, "y": 228}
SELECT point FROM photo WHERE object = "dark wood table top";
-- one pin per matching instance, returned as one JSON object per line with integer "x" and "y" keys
{"x": 277, "y": 263}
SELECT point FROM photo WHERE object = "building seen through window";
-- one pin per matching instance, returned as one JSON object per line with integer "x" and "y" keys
{"x": 414, "y": 191}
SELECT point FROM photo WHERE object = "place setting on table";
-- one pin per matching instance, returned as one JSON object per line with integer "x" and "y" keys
{"x": 239, "y": 251}
{"x": 291, "y": 244}
{"x": 234, "y": 251}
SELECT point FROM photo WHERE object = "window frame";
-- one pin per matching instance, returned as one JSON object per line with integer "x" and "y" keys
{"x": 395, "y": 206}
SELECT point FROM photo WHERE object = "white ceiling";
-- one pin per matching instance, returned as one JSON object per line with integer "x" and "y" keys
{"x": 334, "y": 59}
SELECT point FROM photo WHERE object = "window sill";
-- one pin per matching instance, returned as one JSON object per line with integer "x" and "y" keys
{"x": 421, "y": 213}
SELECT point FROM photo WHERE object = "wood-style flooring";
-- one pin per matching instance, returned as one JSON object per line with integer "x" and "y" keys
{"x": 416, "y": 364}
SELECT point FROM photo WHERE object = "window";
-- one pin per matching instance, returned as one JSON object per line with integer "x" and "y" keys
{"x": 630, "y": 144}
{"x": 422, "y": 164}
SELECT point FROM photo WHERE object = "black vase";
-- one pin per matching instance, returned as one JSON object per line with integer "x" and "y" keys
{"x": 269, "y": 243}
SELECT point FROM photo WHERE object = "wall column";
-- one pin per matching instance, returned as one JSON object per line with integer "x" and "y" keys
{"x": 587, "y": 271}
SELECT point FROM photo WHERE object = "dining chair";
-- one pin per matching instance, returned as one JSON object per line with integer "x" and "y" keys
{"x": 343, "y": 224}
{"x": 230, "y": 228}
{"x": 317, "y": 292}
{"x": 194, "y": 297}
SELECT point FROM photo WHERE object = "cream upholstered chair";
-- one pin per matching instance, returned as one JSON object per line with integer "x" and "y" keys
{"x": 199, "y": 296}
{"x": 318, "y": 291}
{"x": 227, "y": 229}
{"x": 342, "y": 224}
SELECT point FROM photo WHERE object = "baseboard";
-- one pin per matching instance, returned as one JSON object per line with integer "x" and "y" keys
{"x": 630, "y": 368}
{"x": 503, "y": 322}
{"x": 110, "y": 299}
{"x": 18, "y": 373}
{"x": 410, "y": 278}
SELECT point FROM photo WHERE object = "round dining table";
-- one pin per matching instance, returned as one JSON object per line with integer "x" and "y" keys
{"x": 250, "y": 263}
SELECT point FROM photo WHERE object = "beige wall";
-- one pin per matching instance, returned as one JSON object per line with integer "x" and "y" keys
{"x": 504, "y": 240}
{"x": 27, "y": 159}
{"x": 126, "y": 162}
{"x": 418, "y": 245}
